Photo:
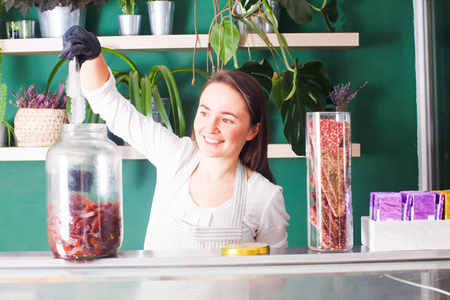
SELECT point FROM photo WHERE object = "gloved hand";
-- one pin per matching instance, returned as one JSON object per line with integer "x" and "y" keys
{"x": 80, "y": 43}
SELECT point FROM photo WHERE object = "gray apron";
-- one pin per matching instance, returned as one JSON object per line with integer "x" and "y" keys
{"x": 167, "y": 232}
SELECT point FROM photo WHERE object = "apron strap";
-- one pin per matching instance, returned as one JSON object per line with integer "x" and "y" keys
{"x": 239, "y": 196}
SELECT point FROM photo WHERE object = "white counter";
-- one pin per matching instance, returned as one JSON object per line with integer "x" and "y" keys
{"x": 298, "y": 274}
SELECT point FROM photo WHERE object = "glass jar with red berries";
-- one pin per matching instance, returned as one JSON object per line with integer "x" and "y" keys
{"x": 84, "y": 193}
{"x": 328, "y": 152}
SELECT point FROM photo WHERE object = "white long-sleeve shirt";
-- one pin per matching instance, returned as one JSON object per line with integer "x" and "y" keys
{"x": 264, "y": 217}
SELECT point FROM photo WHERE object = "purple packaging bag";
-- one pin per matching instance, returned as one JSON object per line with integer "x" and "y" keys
{"x": 388, "y": 206}
{"x": 406, "y": 206}
{"x": 439, "y": 205}
{"x": 423, "y": 206}
{"x": 371, "y": 209}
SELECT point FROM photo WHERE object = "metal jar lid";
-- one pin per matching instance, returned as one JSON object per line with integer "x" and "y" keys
{"x": 245, "y": 248}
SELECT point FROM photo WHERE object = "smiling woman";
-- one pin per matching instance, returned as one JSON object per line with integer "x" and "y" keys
{"x": 209, "y": 192}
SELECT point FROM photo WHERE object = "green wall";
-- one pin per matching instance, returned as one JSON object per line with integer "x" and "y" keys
{"x": 383, "y": 117}
{"x": 442, "y": 90}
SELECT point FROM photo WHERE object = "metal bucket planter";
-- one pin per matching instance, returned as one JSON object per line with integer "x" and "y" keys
{"x": 274, "y": 5}
{"x": 160, "y": 14}
{"x": 54, "y": 23}
{"x": 129, "y": 24}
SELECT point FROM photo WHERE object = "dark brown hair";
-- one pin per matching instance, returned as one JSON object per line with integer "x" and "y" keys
{"x": 254, "y": 152}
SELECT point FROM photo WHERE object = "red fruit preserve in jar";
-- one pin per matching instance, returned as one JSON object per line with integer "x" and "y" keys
{"x": 84, "y": 193}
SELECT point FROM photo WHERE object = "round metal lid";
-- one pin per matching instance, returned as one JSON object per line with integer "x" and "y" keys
{"x": 245, "y": 248}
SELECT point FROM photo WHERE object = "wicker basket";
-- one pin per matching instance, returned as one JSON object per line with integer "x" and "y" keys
{"x": 38, "y": 127}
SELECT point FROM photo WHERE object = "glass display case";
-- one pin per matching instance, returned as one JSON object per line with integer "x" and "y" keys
{"x": 296, "y": 274}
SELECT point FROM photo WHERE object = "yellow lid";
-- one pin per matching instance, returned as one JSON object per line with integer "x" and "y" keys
{"x": 245, "y": 248}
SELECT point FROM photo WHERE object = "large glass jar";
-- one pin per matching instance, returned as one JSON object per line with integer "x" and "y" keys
{"x": 84, "y": 193}
{"x": 329, "y": 151}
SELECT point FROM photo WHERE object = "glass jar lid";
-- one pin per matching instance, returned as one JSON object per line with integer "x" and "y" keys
{"x": 245, "y": 248}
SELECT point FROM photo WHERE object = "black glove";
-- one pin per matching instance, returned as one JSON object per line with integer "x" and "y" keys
{"x": 80, "y": 43}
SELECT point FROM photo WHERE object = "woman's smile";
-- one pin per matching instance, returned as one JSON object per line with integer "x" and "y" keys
{"x": 213, "y": 141}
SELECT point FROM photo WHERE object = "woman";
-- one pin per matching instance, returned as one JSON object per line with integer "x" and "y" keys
{"x": 212, "y": 190}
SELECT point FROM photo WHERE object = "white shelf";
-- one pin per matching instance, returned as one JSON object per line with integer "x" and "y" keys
{"x": 184, "y": 42}
{"x": 39, "y": 153}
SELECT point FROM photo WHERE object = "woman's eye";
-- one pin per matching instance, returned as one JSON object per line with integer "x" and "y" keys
{"x": 227, "y": 121}
{"x": 203, "y": 113}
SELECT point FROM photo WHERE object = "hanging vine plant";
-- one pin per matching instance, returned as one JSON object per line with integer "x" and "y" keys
{"x": 297, "y": 88}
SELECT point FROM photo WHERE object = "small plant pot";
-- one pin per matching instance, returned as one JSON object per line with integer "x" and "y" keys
{"x": 54, "y": 23}
{"x": 38, "y": 127}
{"x": 129, "y": 24}
{"x": 23, "y": 29}
{"x": 160, "y": 14}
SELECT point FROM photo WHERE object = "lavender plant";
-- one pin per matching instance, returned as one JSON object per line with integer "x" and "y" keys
{"x": 33, "y": 99}
{"x": 341, "y": 95}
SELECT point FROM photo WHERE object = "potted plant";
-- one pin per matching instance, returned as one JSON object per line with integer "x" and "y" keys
{"x": 143, "y": 91}
{"x": 55, "y": 16}
{"x": 37, "y": 121}
{"x": 129, "y": 23}
{"x": 160, "y": 13}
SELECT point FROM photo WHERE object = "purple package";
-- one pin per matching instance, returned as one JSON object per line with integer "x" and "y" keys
{"x": 388, "y": 206}
{"x": 406, "y": 206}
{"x": 439, "y": 205}
{"x": 373, "y": 204}
{"x": 423, "y": 205}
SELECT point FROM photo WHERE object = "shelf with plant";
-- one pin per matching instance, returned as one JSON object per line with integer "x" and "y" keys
{"x": 304, "y": 74}
{"x": 140, "y": 90}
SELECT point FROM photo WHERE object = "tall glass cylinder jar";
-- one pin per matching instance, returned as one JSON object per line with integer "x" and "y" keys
{"x": 329, "y": 151}
{"x": 84, "y": 193}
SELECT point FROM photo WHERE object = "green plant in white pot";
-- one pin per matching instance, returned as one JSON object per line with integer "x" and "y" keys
{"x": 129, "y": 23}
{"x": 160, "y": 13}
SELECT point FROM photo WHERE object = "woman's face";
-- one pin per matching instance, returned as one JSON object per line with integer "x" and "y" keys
{"x": 222, "y": 124}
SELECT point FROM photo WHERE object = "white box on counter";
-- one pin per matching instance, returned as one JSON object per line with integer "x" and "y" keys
{"x": 405, "y": 235}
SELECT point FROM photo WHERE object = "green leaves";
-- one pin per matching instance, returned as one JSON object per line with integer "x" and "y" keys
{"x": 262, "y": 72}
{"x": 224, "y": 39}
{"x": 330, "y": 14}
{"x": 128, "y": 6}
{"x": 313, "y": 87}
{"x": 175, "y": 99}
{"x": 3, "y": 121}
{"x": 299, "y": 10}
